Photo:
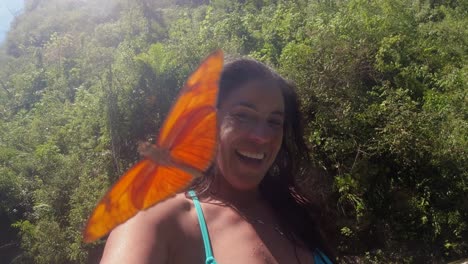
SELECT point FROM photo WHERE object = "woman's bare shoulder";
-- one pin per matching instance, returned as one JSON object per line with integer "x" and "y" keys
{"x": 146, "y": 236}
{"x": 167, "y": 211}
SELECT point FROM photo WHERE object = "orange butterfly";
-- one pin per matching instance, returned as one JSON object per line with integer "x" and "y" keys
{"x": 185, "y": 147}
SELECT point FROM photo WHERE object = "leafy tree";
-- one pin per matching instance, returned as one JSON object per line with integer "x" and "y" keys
{"x": 382, "y": 85}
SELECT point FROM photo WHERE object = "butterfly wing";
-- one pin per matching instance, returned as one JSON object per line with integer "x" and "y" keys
{"x": 117, "y": 205}
{"x": 138, "y": 189}
{"x": 194, "y": 147}
{"x": 191, "y": 140}
{"x": 189, "y": 134}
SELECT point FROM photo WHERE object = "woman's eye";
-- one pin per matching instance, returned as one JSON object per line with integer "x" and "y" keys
{"x": 275, "y": 123}
{"x": 242, "y": 116}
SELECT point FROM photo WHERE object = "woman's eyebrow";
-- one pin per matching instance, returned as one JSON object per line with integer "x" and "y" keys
{"x": 277, "y": 112}
{"x": 247, "y": 104}
{"x": 252, "y": 106}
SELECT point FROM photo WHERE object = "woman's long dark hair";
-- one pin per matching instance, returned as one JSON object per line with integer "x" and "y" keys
{"x": 298, "y": 216}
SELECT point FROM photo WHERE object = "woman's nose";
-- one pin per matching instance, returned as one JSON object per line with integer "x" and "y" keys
{"x": 260, "y": 133}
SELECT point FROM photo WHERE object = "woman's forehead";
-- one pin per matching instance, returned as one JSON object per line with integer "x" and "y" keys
{"x": 255, "y": 94}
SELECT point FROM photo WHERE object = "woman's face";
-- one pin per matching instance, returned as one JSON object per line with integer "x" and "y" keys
{"x": 250, "y": 133}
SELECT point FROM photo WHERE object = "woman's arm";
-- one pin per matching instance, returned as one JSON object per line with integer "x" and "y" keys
{"x": 142, "y": 239}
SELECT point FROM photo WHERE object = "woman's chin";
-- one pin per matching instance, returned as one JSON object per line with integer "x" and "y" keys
{"x": 248, "y": 184}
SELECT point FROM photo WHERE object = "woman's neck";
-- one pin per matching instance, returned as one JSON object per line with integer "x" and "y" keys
{"x": 222, "y": 191}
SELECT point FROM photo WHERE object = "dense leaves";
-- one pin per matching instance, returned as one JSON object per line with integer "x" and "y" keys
{"x": 383, "y": 86}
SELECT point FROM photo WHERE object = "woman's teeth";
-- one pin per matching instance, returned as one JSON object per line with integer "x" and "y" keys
{"x": 258, "y": 156}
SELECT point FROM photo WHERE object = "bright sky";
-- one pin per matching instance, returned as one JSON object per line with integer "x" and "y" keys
{"x": 7, "y": 7}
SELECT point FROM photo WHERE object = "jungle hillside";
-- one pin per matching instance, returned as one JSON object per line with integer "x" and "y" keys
{"x": 383, "y": 87}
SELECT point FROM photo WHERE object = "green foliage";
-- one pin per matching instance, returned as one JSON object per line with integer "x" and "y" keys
{"x": 382, "y": 85}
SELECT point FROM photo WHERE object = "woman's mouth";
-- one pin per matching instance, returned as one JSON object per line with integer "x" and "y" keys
{"x": 250, "y": 158}
{"x": 251, "y": 155}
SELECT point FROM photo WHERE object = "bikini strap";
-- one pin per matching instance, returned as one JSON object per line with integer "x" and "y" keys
{"x": 320, "y": 258}
{"x": 201, "y": 220}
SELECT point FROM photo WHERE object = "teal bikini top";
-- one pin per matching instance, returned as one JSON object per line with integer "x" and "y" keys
{"x": 319, "y": 257}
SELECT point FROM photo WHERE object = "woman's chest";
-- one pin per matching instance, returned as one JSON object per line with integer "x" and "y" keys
{"x": 235, "y": 240}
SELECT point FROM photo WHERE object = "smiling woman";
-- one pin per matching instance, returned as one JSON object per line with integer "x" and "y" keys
{"x": 250, "y": 133}
{"x": 247, "y": 205}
